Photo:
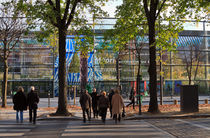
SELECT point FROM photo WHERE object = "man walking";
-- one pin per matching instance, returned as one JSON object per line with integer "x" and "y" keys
{"x": 85, "y": 102}
{"x": 32, "y": 100}
{"x": 94, "y": 96}
{"x": 110, "y": 101}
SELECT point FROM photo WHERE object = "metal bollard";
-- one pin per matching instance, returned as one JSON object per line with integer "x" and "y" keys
{"x": 175, "y": 102}
{"x": 49, "y": 99}
{"x": 206, "y": 101}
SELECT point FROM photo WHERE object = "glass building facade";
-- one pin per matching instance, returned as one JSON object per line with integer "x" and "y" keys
{"x": 33, "y": 63}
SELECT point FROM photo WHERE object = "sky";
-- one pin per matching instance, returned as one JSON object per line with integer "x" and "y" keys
{"x": 111, "y": 6}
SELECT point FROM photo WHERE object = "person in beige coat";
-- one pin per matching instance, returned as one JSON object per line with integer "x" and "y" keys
{"x": 117, "y": 105}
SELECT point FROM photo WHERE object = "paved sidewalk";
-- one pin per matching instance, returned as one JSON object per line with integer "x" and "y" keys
{"x": 8, "y": 114}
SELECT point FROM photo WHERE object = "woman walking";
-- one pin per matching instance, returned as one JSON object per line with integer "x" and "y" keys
{"x": 20, "y": 104}
{"x": 117, "y": 105}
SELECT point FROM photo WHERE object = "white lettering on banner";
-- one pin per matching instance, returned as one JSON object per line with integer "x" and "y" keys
{"x": 107, "y": 60}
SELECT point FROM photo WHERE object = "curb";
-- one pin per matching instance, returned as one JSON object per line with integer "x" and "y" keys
{"x": 75, "y": 118}
{"x": 167, "y": 117}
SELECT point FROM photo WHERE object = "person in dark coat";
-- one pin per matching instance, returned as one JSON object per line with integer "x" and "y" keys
{"x": 103, "y": 104}
{"x": 132, "y": 98}
{"x": 20, "y": 103}
{"x": 94, "y": 96}
{"x": 32, "y": 100}
{"x": 110, "y": 101}
{"x": 85, "y": 102}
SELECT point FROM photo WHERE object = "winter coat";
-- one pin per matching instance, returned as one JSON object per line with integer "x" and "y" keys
{"x": 103, "y": 102}
{"x": 20, "y": 102}
{"x": 110, "y": 97}
{"x": 85, "y": 101}
{"x": 94, "y": 99}
{"x": 117, "y": 104}
{"x": 33, "y": 100}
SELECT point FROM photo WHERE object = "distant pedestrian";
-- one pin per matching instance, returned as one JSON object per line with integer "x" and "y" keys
{"x": 33, "y": 100}
{"x": 132, "y": 97}
{"x": 72, "y": 93}
{"x": 85, "y": 102}
{"x": 117, "y": 105}
{"x": 20, "y": 103}
{"x": 95, "y": 97}
{"x": 103, "y": 104}
{"x": 110, "y": 101}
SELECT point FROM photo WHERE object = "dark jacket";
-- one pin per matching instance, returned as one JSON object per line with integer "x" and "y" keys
{"x": 94, "y": 99}
{"x": 103, "y": 102}
{"x": 20, "y": 102}
{"x": 85, "y": 101}
{"x": 33, "y": 100}
{"x": 110, "y": 97}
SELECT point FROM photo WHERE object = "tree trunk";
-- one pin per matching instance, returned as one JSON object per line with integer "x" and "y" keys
{"x": 62, "y": 99}
{"x": 83, "y": 70}
{"x": 4, "y": 85}
{"x": 153, "y": 104}
{"x": 118, "y": 73}
{"x": 138, "y": 84}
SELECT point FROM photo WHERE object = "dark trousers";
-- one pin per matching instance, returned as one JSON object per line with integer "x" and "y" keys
{"x": 117, "y": 117}
{"x": 95, "y": 111}
{"x": 103, "y": 113}
{"x": 86, "y": 111}
{"x": 132, "y": 102}
{"x": 32, "y": 115}
{"x": 110, "y": 109}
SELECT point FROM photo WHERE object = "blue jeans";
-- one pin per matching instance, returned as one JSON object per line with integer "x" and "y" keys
{"x": 21, "y": 115}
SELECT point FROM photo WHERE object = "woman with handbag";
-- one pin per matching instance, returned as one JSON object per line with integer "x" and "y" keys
{"x": 117, "y": 105}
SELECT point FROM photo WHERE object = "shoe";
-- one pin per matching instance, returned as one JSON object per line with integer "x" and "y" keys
{"x": 34, "y": 122}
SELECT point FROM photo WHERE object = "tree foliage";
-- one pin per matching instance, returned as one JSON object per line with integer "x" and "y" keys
{"x": 160, "y": 21}
{"x": 65, "y": 17}
{"x": 12, "y": 28}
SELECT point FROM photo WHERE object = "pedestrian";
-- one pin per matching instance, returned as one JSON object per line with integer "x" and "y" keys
{"x": 117, "y": 105}
{"x": 110, "y": 101}
{"x": 20, "y": 104}
{"x": 72, "y": 93}
{"x": 95, "y": 97}
{"x": 132, "y": 97}
{"x": 85, "y": 102}
{"x": 103, "y": 104}
{"x": 32, "y": 100}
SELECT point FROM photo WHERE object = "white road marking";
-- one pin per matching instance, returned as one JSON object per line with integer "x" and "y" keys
{"x": 11, "y": 134}
{"x": 113, "y": 134}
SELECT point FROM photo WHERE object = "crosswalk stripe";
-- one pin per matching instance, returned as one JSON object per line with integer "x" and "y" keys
{"x": 17, "y": 126}
{"x": 14, "y": 130}
{"x": 111, "y": 134}
{"x": 108, "y": 126}
{"x": 105, "y": 129}
{"x": 11, "y": 134}
{"x": 133, "y": 129}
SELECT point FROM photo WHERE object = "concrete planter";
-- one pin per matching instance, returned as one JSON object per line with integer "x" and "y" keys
{"x": 189, "y": 98}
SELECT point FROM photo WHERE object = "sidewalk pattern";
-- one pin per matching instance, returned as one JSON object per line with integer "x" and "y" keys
{"x": 110, "y": 129}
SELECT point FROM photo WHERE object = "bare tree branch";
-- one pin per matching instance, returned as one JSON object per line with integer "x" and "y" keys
{"x": 159, "y": 10}
{"x": 66, "y": 10}
{"x": 146, "y": 9}
{"x": 72, "y": 13}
